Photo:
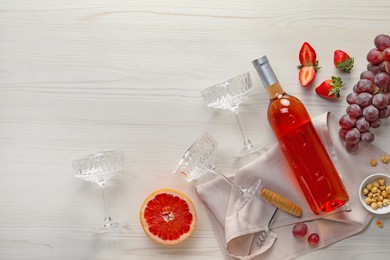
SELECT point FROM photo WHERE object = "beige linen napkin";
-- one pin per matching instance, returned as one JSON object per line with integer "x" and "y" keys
{"x": 237, "y": 232}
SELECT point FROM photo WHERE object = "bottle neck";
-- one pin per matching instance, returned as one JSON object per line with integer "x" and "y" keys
{"x": 275, "y": 90}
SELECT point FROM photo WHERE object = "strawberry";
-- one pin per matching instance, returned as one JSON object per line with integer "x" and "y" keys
{"x": 307, "y": 55}
{"x": 330, "y": 88}
{"x": 342, "y": 60}
{"x": 306, "y": 75}
{"x": 308, "y": 64}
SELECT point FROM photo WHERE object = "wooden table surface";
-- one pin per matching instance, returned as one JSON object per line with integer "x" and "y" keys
{"x": 78, "y": 77}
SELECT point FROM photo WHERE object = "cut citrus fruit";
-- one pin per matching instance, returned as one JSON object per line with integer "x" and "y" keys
{"x": 168, "y": 216}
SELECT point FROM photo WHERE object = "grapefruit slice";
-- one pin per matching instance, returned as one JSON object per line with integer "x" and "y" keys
{"x": 168, "y": 216}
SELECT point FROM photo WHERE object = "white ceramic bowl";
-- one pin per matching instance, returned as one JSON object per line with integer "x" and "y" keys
{"x": 362, "y": 197}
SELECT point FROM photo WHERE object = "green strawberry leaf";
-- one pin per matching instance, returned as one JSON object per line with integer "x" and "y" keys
{"x": 346, "y": 65}
{"x": 336, "y": 84}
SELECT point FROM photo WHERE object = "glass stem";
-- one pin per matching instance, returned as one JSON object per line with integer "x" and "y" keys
{"x": 214, "y": 170}
{"x": 244, "y": 136}
{"x": 107, "y": 218}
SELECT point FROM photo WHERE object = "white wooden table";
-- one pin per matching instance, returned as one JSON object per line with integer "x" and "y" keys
{"x": 83, "y": 76}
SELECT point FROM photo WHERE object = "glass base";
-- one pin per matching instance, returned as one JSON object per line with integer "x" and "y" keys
{"x": 108, "y": 226}
{"x": 247, "y": 194}
{"x": 248, "y": 149}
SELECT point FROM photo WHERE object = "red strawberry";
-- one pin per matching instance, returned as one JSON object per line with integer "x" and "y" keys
{"x": 330, "y": 88}
{"x": 342, "y": 60}
{"x": 307, "y": 55}
{"x": 306, "y": 75}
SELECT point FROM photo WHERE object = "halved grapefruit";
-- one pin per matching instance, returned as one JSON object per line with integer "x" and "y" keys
{"x": 168, "y": 216}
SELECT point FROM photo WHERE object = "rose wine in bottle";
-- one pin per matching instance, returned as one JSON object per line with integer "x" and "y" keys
{"x": 301, "y": 146}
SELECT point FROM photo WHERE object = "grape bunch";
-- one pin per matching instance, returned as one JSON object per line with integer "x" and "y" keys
{"x": 369, "y": 103}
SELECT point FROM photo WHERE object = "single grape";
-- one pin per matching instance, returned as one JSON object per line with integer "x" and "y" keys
{"x": 351, "y": 147}
{"x": 299, "y": 230}
{"x": 387, "y": 111}
{"x": 355, "y": 110}
{"x": 367, "y": 75}
{"x": 313, "y": 239}
{"x": 352, "y": 136}
{"x": 382, "y": 80}
{"x": 377, "y": 123}
{"x": 382, "y": 41}
{"x": 343, "y": 133}
{"x": 370, "y": 113}
{"x": 367, "y": 137}
{"x": 386, "y": 54}
{"x": 352, "y": 98}
{"x": 387, "y": 94}
{"x": 384, "y": 113}
{"x": 347, "y": 121}
{"x": 387, "y": 66}
{"x": 382, "y": 66}
{"x": 364, "y": 99}
{"x": 379, "y": 101}
{"x": 373, "y": 68}
{"x": 375, "y": 56}
{"x": 364, "y": 85}
{"x": 354, "y": 88}
{"x": 362, "y": 124}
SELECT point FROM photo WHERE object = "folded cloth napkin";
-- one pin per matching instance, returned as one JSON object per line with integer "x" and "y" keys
{"x": 238, "y": 232}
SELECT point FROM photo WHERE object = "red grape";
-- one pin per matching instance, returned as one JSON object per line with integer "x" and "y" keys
{"x": 355, "y": 110}
{"x": 362, "y": 124}
{"x": 387, "y": 66}
{"x": 352, "y": 98}
{"x": 382, "y": 80}
{"x": 379, "y": 101}
{"x": 299, "y": 230}
{"x": 386, "y": 54}
{"x": 374, "y": 68}
{"x": 351, "y": 147}
{"x": 347, "y": 121}
{"x": 382, "y": 41}
{"x": 387, "y": 111}
{"x": 382, "y": 66}
{"x": 367, "y": 75}
{"x": 370, "y": 113}
{"x": 342, "y": 133}
{"x": 377, "y": 123}
{"x": 352, "y": 136}
{"x": 364, "y": 99}
{"x": 313, "y": 239}
{"x": 364, "y": 85}
{"x": 375, "y": 56}
{"x": 387, "y": 94}
{"x": 367, "y": 137}
{"x": 384, "y": 113}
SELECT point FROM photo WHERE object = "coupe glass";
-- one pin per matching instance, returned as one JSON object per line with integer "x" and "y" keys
{"x": 229, "y": 95}
{"x": 198, "y": 161}
{"x": 99, "y": 168}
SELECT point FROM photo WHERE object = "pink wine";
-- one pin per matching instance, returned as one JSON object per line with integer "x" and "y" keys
{"x": 301, "y": 146}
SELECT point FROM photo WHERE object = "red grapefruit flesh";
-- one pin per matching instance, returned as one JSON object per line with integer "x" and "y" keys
{"x": 168, "y": 216}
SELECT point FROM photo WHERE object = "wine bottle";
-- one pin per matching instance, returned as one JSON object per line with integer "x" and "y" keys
{"x": 306, "y": 155}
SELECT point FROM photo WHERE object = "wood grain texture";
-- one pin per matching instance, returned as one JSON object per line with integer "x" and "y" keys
{"x": 83, "y": 76}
